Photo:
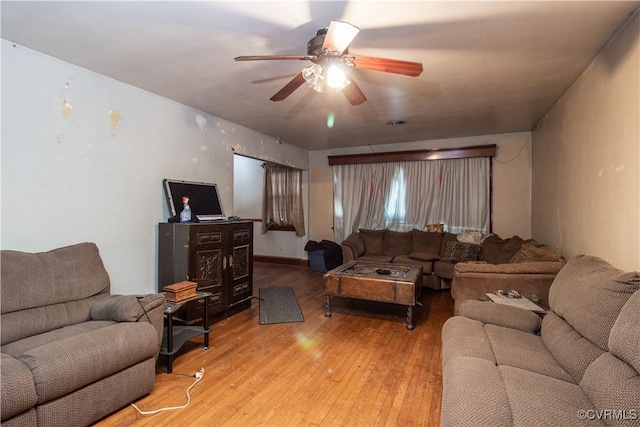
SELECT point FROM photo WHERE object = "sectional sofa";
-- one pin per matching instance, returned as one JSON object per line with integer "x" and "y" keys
{"x": 439, "y": 254}
{"x": 577, "y": 366}
{"x": 72, "y": 353}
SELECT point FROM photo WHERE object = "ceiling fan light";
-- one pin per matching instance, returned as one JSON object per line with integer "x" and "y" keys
{"x": 314, "y": 77}
{"x": 336, "y": 79}
{"x": 343, "y": 34}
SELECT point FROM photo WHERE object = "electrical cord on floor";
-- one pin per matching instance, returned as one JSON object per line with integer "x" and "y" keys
{"x": 198, "y": 376}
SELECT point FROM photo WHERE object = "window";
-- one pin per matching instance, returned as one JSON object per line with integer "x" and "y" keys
{"x": 282, "y": 199}
{"x": 406, "y": 190}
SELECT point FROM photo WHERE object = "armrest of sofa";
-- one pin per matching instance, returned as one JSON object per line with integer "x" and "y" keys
{"x": 534, "y": 267}
{"x": 474, "y": 280}
{"x": 132, "y": 308}
{"x": 501, "y": 315}
{"x": 352, "y": 247}
{"x": 125, "y": 308}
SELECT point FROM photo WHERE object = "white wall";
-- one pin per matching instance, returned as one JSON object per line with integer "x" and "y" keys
{"x": 511, "y": 181}
{"x": 83, "y": 158}
{"x": 586, "y": 158}
{"x": 248, "y": 178}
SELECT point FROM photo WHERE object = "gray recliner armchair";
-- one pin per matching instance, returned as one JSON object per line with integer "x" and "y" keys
{"x": 72, "y": 353}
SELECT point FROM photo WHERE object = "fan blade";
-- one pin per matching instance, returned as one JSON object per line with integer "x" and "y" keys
{"x": 273, "y": 57}
{"x": 353, "y": 93}
{"x": 339, "y": 36}
{"x": 386, "y": 65}
{"x": 288, "y": 88}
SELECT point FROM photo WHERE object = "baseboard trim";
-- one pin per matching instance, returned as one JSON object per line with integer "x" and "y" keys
{"x": 281, "y": 260}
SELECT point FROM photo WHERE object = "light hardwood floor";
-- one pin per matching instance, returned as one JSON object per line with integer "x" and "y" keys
{"x": 360, "y": 367}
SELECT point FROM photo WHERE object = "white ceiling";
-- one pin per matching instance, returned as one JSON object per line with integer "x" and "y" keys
{"x": 489, "y": 67}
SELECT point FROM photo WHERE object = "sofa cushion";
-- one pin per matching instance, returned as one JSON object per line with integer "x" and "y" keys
{"x": 17, "y": 348}
{"x": 510, "y": 248}
{"x": 499, "y": 251}
{"x": 537, "y": 399}
{"x": 427, "y": 266}
{"x": 532, "y": 251}
{"x": 376, "y": 258}
{"x": 525, "y": 351}
{"x": 459, "y": 251}
{"x": 611, "y": 383}
{"x": 572, "y": 351}
{"x": 424, "y": 241}
{"x": 18, "y": 390}
{"x": 51, "y": 270}
{"x": 424, "y": 256}
{"x": 465, "y": 337}
{"x": 396, "y": 243}
{"x": 491, "y": 248}
{"x": 68, "y": 364}
{"x": 17, "y": 325}
{"x": 444, "y": 269}
{"x": 372, "y": 241}
{"x": 588, "y": 295}
{"x": 60, "y": 283}
{"x": 463, "y": 380}
{"x": 613, "y": 379}
{"x": 624, "y": 340}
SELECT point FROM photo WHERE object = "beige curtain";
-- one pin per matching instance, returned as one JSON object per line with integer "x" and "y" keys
{"x": 401, "y": 196}
{"x": 282, "y": 198}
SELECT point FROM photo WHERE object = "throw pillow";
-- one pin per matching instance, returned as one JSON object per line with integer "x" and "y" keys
{"x": 372, "y": 241}
{"x": 470, "y": 236}
{"x": 446, "y": 238}
{"x": 459, "y": 251}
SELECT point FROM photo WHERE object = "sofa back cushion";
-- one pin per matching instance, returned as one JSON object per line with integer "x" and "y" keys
{"x": 372, "y": 241}
{"x": 613, "y": 380}
{"x": 589, "y": 293}
{"x": 624, "y": 340}
{"x": 48, "y": 290}
{"x": 426, "y": 242}
{"x": 499, "y": 251}
{"x": 532, "y": 251}
{"x": 396, "y": 243}
{"x": 446, "y": 238}
{"x": 585, "y": 299}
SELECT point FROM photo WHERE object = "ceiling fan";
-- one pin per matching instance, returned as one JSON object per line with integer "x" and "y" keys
{"x": 328, "y": 50}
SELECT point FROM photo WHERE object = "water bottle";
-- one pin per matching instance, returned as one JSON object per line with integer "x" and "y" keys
{"x": 185, "y": 214}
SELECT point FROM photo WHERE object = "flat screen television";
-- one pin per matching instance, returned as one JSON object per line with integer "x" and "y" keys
{"x": 204, "y": 199}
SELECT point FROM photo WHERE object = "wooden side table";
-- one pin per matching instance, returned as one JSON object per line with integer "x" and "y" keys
{"x": 176, "y": 335}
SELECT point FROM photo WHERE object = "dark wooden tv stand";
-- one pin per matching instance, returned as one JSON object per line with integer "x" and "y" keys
{"x": 218, "y": 256}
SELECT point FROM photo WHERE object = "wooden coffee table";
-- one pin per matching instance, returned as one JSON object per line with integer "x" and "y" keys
{"x": 391, "y": 283}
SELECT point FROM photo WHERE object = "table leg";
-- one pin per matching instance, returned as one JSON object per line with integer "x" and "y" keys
{"x": 205, "y": 322}
{"x": 410, "y": 326}
{"x": 327, "y": 306}
{"x": 169, "y": 343}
